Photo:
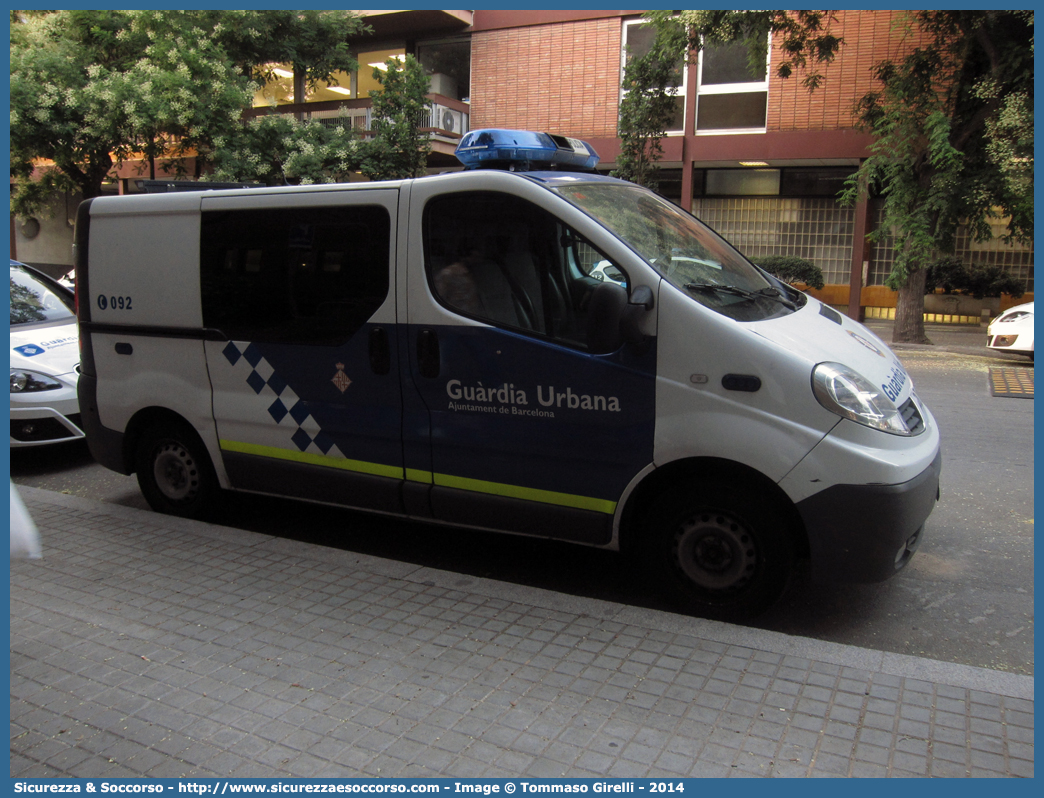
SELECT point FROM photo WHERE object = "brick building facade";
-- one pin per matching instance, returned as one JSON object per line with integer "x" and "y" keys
{"x": 870, "y": 36}
{"x": 558, "y": 76}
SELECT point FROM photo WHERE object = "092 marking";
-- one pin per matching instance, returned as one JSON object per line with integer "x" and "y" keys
{"x": 114, "y": 302}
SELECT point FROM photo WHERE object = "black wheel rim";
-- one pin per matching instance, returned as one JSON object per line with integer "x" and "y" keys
{"x": 715, "y": 552}
{"x": 175, "y": 472}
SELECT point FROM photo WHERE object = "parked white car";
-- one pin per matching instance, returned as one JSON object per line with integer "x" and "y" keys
{"x": 1012, "y": 331}
{"x": 44, "y": 355}
{"x": 604, "y": 270}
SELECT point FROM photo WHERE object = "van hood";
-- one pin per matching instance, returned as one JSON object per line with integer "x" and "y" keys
{"x": 51, "y": 349}
{"x": 820, "y": 334}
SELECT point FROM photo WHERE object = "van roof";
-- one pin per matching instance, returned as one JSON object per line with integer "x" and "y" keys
{"x": 187, "y": 202}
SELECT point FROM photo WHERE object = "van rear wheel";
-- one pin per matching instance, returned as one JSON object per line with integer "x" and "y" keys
{"x": 719, "y": 551}
{"x": 174, "y": 470}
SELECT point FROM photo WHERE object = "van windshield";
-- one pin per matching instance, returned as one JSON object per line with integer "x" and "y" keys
{"x": 686, "y": 252}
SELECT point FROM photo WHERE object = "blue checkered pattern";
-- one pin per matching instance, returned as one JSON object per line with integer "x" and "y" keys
{"x": 286, "y": 408}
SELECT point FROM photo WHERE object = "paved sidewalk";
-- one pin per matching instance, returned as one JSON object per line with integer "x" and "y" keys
{"x": 143, "y": 645}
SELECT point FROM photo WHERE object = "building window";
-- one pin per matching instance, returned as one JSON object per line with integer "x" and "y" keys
{"x": 448, "y": 63}
{"x": 815, "y": 181}
{"x": 279, "y": 90}
{"x": 637, "y": 41}
{"x": 730, "y": 95}
{"x": 742, "y": 182}
{"x": 790, "y": 181}
{"x": 375, "y": 59}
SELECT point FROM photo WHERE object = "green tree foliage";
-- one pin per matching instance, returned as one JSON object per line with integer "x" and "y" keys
{"x": 954, "y": 276}
{"x": 399, "y": 148}
{"x": 953, "y": 128}
{"x": 314, "y": 43}
{"x": 181, "y": 92}
{"x": 90, "y": 89}
{"x": 63, "y": 66}
{"x": 649, "y": 80}
{"x": 791, "y": 269}
{"x": 276, "y": 149}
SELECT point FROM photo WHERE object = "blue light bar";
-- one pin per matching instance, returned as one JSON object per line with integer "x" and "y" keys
{"x": 524, "y": 150}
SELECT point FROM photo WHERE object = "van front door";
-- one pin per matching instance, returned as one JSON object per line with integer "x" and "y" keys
{"x": 533, "y": 427}
{"x": 306, "y": 388}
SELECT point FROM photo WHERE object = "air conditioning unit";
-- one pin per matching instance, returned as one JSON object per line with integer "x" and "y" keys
{"x": 451, "y": 121}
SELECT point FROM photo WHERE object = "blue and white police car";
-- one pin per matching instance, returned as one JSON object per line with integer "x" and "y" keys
{"x": 44, "y": 356}
{"x": 450, "y": 349}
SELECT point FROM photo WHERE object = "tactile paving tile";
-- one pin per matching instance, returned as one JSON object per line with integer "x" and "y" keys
{"x": 1012, "y": 382}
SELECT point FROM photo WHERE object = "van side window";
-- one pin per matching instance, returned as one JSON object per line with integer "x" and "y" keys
{"x": 502, "y": 260}
{"x": 294, "y": 275}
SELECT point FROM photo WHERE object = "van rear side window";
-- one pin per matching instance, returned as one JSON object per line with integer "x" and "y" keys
{"x": 294, "y": 275}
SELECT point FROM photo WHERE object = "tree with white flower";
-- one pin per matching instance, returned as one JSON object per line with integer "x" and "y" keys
{"x": 277, "y": 149}
{"x": 91, "y": 89}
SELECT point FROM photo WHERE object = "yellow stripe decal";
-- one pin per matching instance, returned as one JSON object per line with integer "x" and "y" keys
{"x": 417, "y": 475}
{"x": 529, "y": 494}
{"x": 359, "y": 466}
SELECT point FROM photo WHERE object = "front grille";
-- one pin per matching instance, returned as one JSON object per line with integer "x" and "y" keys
{"x": 912, "y": 416}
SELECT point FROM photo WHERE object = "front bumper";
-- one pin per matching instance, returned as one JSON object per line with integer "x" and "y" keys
{"x": 35, "y": 424}
{"x": 867, "y": 533}
{"x": 1008, "y": 343}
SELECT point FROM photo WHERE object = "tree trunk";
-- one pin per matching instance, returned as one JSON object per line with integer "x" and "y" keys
{"x": 89, "y": 180}
{"x": 299, "y": 92}
{"x": 909, "y": 311}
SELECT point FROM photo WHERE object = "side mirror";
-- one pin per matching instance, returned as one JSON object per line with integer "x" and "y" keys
{"x": 642, "y": 296}
{"x": 641, "y": 302}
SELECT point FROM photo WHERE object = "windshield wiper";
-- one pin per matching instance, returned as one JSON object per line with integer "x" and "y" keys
{"x": 721, "y": 289}
{"x": 764, "y": 293}
{"x": 775, "y": 293}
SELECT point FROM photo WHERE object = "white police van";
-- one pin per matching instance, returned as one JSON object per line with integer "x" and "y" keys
{"x": 439, "y": 349}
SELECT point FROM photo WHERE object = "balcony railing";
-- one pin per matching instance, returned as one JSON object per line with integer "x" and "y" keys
{"x": 446, "y": 118}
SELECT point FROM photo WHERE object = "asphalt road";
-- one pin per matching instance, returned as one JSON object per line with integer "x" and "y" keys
{"x": 966, "y": 597}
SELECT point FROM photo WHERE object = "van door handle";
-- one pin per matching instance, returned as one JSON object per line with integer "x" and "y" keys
{"x": 428, "y": 354}
{"x": 380, "y": 353}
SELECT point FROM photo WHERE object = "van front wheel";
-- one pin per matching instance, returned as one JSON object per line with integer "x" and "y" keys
{"x": 174, "y": 471}
{"x": 719, "y": 551}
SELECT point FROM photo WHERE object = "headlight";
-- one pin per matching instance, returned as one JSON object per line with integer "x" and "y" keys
{"x": 851, "y": 395}
{"x": 1019, "y": 314}
{"x": 23, "y": 381}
